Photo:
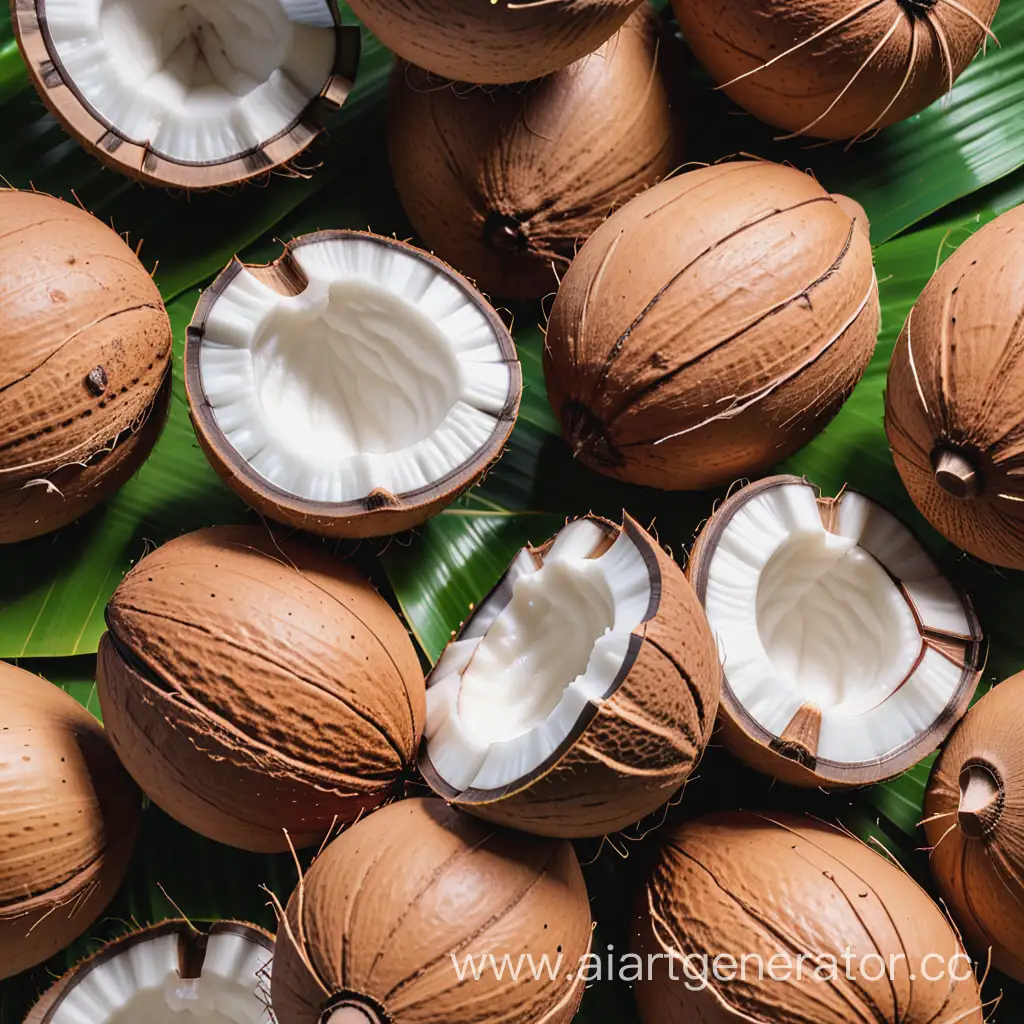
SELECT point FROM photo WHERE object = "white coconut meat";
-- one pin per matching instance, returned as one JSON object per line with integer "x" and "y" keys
{"x": 141, "y": 983}
{"x": 381, "y": 372}
{"x": 199, "y": 81}
{"x": 834, "y": 608}
{"x": 550, "y": 644}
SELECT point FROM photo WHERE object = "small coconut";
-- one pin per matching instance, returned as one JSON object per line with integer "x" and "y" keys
{"x": 499, "y": 42}
{"x": 971, "y": 818}
{"x": 69, "y": 818}
{"x": 783, "y": 918}
{"x": 169, "y": 973}
{"x": 353, "y": 388}
{"x": 505, "y": 183}
{"x": 85, "y": 355}
{"x": 258, "y": 689}
{"x": 954, "y": 402}
{"x": 835, "y": 69}
{"x": 196, "y": 94}
{"x": 712, "y": 326}
{"x": 848, "y": 655}
{"x": 580, "y": 694}
{"x": 380, "y": 928}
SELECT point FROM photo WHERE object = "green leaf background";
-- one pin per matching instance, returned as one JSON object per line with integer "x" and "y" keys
{"x": 926, "y": 185}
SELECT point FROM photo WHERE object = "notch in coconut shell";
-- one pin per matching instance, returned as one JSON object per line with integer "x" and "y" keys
{"x": 847, "y": 655}
{"x": 168, "y": 973}
{"x": 580, "y": 694}
{"x": 353, "y": 388}
{"x": 193, "y": 94}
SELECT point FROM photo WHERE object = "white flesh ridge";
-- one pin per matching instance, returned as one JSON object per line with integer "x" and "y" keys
{"x": 549, "y": 643}
{"x": 382, "y": 373}
{"x": 201, "y": 81}
{"x": 142, "y": 986}
{"x": 803, "y": 615}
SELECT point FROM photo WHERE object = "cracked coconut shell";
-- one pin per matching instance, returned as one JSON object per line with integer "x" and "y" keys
{"x": 972, "y": 816}
{"x": 954, "y": 401}
{"x": 744, "y": 885}
{"x": 371, "y": 932}
{"x": 69, "y": 815}
{"x": 712, "y": 326}
{"x": 835, "y": 68}
{"x": 259, "y": 690}
{"x": 85, "y": 355}
{"x": 507, "y": 183}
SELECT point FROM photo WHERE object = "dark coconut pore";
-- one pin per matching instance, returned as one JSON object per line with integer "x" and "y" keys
{"x": 136, "y": 157}
{"x": 381, "y": 512}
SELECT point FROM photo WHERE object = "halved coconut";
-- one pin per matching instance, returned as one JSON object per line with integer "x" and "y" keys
{"x": 192, "y": 93}
{"x": 582, "y": 691}
{"x": 847, "y": 655}
{"x": 354, "y": 388}
{"x": 168, "y": 974}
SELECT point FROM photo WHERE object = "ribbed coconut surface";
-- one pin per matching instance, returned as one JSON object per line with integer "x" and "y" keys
{"x": 506, "y": 183}
{"x": 380, "y": 928}
{"x": 499, "y": 42}
{"x": 580, "y": 694}
{"x": 974, "y": 819}
{"x": 837, "y": 932}
{"x": 954, "y": 401}
{"x": 712, "y": 326}
{"x": 259, "y": 690}
{"x": 69, "y": 815}
{"x": 835, "y": 68}
{"x": 85, "y": 352}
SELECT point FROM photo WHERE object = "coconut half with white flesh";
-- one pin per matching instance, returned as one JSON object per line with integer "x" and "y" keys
{"x": 847, "y": 655}
{"x": 580, "y": 694}
{"x": 353, "y": 388}
{"x": 189, "y": 93}
{"x": 169, "y": 973}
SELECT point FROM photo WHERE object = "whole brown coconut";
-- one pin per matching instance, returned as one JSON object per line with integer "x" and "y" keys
{"x": 497, "y": 42}
{"x": 712, "y": 326}
{"x": 69, "y": 817}
{"x": 258, "y": 689}
{"x": 973, "y": 813}
{"x": 835, "y": 68}
{"x": 783, "y": 918}
{"x": 381, "y": 927}
{"x": 954, "y": 402}
{"x": 505, "y": 183}
{"x": 85, "y": 354}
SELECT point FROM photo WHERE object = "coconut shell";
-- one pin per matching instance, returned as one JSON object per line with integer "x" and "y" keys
{"x": 629, "y": 753}
{"x": 85, "y": 354}
{"x": 375, "y": 925}
{"x": 711, "y": 326}
{"x": 495, "y": 43}
{"x": 506, "y": 183}
{"x": 258, "y": 689}
{"x": 835, "y": 68}
{"x": 69, "y": 817}
{"x": 745, "y": 885}
{"x": 972, "y": 817}
{"x": 954, "y": 401}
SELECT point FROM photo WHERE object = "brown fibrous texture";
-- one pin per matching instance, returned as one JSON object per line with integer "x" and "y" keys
{"x": 506, "y": 183}
{"x": 759, "y": 886}
{"x": 69, "y": 816}
{"x": 712, "y": 326}
{"x": 85, "y": 353}
{"x": 956, "y": 391}
{"x": 258, "y": 689}
{"x": 499, "y": 42}
{"x": 974, "y": 820}
{"x": 384, "y": 914}
{"x": 835, "y": 69}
